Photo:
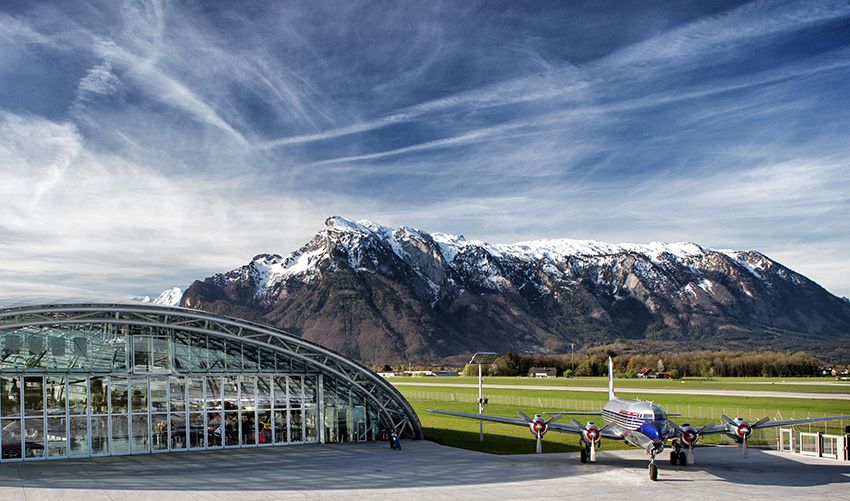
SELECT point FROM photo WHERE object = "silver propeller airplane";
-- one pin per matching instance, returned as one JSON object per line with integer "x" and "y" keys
{"x": 640, "y": 423}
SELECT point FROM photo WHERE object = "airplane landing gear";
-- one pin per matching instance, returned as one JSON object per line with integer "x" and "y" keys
{"x": 587, "y": 454}
{"x": 677, "y": 455}
{"x": 653, "y": 470}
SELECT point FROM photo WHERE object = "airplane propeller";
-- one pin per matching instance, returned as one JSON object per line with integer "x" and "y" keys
{"x": 690, "y": 436}
{"x": 590, "y": 435}
{"x": 741, "y": 429}
{"x": 538, "y": 426}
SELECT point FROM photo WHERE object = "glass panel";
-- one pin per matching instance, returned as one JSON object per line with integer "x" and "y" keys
{"x": 231, "y": 393}
{"x": 250, "y": 357}
{"x": 310, "y": 392}
{"x": 57, "y": 445}
{"x": 35, "y": 343}
{"x": 248, "y": 394}
{"x": 159, "y": 394}
{"x": 249, "y": 428}
{"x": 77, "y": 399}
{"x": 216, "y": 354}
{"x": 140, "y": 433}
{"x": 178, "y": 431}
{"x": 139, "y": 388}
{"x": 280, "y": 427}
{"x": 214, "y": 429}
{"x": 182, "y": 352}
{"x": 196, "y": 393}
{"x": 266, "y": 360}
{"x": 11, "y": 438}
{"x": 99, "y": 396}
{"x": 159, "y": 432}
{"x": 120, "y": 434}
{"x": 282, "y": 363}
{"x": 141, "y": 353}
{"x": 295, "y": 398}
{"x": 10, "y": 396}
{"x": 295, "y": 433}
{"x": 34, "y": 437}
{"x": 33, "y": 396}
{"x": 177, "y": 394}
{"x": 81, "y": 348}
{"x": 160, "y": 359}
{"x": 264, "y": 427}
{"x": 57, "y": 346}
{"x": 99, "y": 434}
{"x": 231, "y": 428}
{"x": 234, "y": 356}
{"x": 118, "y": 387}
{"x": 199, "y": 353}
{"x": 280, "y": 399}
{"x": 56, "y": 395}
{"x": 196, "y": 430}
{"x": 79, "y": 437}
{"x": 264, "y": 396}
{"x": 311, "y": 421}
{"x": 213, "y": 395}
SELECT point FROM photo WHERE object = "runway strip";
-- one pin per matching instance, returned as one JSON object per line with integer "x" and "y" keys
{"x": 653, "y": 391}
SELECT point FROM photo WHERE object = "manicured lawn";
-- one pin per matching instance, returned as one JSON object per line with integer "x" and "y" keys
{"x": 818, "y": 385}
{"x": 506, "y": 439}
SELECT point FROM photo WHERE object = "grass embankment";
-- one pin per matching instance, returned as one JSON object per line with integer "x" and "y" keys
{"x": 506, "y": 439}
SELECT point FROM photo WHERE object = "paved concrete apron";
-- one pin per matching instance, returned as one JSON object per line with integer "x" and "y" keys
{"x": 422, "y": 470}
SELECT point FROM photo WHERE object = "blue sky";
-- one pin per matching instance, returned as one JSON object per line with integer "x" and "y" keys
{"x": 147, "y": 144}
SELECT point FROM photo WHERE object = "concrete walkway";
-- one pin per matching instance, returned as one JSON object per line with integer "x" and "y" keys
{"x": 423, "y": 470}
{"x": 653, "y": 391}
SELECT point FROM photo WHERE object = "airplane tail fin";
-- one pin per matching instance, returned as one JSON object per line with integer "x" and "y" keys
{"x": 611, "y": 395}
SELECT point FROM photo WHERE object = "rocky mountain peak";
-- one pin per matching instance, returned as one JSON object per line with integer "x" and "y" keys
{"x": 382, "y": 293}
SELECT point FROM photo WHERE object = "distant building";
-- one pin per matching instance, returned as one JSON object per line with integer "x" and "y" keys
{"x": 445, "y": 373}
{"x": 663, "y": 375}
{"x": 542, "y": 372}
{"x": 646, "y": 373}
{"x": 389, "y": 374}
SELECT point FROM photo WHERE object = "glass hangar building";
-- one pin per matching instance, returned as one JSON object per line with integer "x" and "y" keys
{"x": 94, "y": 380}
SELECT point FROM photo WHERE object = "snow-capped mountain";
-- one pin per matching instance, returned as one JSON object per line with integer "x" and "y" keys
{"x": 384, "y": 294}
{"x": 168, "y": 297}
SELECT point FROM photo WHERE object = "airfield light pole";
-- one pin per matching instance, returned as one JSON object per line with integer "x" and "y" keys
{"x": 482, "y": 357}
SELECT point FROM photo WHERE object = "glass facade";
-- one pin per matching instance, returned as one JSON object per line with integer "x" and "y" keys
{"x": 98, "y": 389}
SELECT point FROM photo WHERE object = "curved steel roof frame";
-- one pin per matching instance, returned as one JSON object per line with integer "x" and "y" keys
{"x": 386, "y": 397}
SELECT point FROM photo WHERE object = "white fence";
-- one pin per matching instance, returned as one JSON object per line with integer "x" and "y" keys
{"x": 813, "y": 444}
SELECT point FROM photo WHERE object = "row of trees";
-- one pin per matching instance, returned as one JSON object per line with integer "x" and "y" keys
{"x": 678, "y": 364}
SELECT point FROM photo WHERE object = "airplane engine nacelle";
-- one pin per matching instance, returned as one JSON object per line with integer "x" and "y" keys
{"x": 538, "y": 426}
{"x": 741, "y": 429}
{"x": 591, "y": 433}
{"x": 689, "y": 435}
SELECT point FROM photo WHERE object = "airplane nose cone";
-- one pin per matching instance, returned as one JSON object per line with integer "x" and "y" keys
{"x": 651, "y": 430}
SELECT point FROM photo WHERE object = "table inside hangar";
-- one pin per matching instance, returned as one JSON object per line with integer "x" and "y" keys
{"x": 99, "y": 380}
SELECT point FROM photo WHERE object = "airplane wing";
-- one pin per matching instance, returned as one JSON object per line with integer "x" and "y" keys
{"x": 767, "y": 423}
{"x": 611, "y": 432}
{"x": 495, "y": 419}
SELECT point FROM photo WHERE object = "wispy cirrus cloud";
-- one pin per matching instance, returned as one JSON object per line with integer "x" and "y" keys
{"x": 168, "y": 141}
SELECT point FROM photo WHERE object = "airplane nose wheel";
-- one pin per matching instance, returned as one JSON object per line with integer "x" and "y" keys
{"x": 653, "y": 470}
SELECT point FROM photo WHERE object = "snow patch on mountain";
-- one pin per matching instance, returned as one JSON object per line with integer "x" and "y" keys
{"x": 168, "y": 297}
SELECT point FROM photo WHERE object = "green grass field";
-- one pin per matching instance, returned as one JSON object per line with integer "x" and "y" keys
{"x": 506, "y": 439}
{"x": 814, "y": 385}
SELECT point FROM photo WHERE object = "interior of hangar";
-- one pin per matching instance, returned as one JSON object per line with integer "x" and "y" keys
{"x": 100, "y": 380}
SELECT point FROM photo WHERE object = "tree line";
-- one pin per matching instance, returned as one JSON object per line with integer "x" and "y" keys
{"x": 677, "y": 364}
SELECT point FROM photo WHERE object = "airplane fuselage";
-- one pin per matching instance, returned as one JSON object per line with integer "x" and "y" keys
{"x": 637, "y": 415}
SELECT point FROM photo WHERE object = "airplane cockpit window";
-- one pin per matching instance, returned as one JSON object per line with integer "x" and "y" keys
{"x": 660, "y": 416}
